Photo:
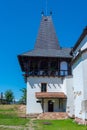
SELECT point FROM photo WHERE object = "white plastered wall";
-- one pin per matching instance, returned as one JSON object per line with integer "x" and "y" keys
{"x": 79, "y": 70}
{"x": 34, "y": 85}
{"x": 78, "y": 87}
{"x": 68, "y": 85}
{"x": 84, "y": 63}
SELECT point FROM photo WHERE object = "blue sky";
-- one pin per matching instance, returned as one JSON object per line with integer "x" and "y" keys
{"x": 19, "y": 23}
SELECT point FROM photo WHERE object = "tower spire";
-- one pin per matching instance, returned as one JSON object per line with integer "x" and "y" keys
{"x": 46, "y": 7}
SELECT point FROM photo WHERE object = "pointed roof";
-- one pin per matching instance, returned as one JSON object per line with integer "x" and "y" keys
{"x": 47, "y": 38}
{"x": 47, "y": 44}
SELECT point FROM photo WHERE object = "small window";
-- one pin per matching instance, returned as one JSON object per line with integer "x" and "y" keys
{"x": 43, "y": 87}
{"x": 45, "y": 19}
{"x": 38, "y": 101}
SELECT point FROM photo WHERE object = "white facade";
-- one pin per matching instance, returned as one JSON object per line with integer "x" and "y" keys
{"x": 78, "y": 87}
{"x": 69, "y": 90}
{"x": 34, "y": 85}
{"x": 74, "y": 87}
{"x": 79, "y": 70}
{"x": 51, "y": 86}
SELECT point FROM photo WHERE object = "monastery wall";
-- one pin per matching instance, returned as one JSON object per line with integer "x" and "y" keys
{"x": 84, "y": 63}
{"x": 69, "y": 90}
{"x": 78, "y": 87}
{"x": 34, "y": 85}
{"x": 80, "y": 81}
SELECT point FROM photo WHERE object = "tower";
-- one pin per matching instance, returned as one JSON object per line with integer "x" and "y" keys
{"x": 44, "y": 68}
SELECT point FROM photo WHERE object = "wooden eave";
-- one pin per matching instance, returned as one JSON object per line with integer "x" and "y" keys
{"x": 84, "y": 33}
{"x": 47, "y": 95}
{"x": 24, "y": 59}
{"x": 78, "y": 56}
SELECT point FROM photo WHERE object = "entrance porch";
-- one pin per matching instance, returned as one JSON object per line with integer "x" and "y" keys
{"x": 52, "y": 101}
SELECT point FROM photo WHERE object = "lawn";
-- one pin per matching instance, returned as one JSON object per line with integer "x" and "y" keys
{"x": 10, "y": 120}
{"x": 68, "y": 124}
{"x": 10, "y": 116}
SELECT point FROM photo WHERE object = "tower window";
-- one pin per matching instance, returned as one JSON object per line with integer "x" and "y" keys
{"x": 45, "y": 19}
{"x": 43, "y": 87}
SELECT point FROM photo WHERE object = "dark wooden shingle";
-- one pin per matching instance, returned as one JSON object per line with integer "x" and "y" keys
{"x": 47, "y": 44}
{"x": 47, "y": 38}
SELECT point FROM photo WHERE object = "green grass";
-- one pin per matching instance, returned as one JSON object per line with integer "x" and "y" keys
{"x": 57, "y": 125}
{"x": 9, "y": 116}
{"x": 7, "y": 119}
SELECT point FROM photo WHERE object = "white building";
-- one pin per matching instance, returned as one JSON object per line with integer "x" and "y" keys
{"x": 79, "y": 72}
{"x": 56, "y": 77}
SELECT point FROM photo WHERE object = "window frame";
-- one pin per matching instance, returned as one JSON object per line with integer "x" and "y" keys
{"x": 43, "y": 89}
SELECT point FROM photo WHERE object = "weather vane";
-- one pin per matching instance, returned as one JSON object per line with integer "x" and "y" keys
{"x": 46, "y": 7}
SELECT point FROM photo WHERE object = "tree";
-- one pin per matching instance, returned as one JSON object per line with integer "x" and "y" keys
{"x": 24, "y": 94}
{"x": 9, "y": 96}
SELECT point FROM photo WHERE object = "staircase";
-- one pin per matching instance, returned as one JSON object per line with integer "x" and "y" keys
{"x": 53, "y": 116}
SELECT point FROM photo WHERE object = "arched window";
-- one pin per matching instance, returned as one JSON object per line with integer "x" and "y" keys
{"x": 63, "y": 68}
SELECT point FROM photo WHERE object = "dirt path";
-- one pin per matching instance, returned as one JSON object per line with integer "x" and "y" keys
{"x": 29, "y": 126}
{"x": 12, "y": 127}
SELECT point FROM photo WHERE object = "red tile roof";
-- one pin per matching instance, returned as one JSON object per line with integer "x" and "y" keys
{"x": 50, "y": 95}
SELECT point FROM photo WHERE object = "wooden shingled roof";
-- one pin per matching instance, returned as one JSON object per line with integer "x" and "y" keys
{"x": 62, "y": 53}
{"x": 47, "y": 44}
{"x": 50, "y": 95}
{"x": 47, "y": 38}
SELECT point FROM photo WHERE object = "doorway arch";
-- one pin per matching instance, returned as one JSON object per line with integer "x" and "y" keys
{"x": 50, "y": 106}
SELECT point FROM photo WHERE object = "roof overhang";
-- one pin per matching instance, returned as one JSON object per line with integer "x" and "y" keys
{"x": 52, "y": 53}
{"x": 84, "y": 33}
{"x": 78, "y": 56}
{"x": 47, "y": 95}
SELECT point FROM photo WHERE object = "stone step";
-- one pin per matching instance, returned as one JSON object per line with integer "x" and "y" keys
{"x": 53, "y": 115}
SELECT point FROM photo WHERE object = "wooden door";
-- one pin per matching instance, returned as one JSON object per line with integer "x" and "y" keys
{"x": 50, "y": 106}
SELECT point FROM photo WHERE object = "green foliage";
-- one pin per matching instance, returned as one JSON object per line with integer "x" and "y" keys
{"x": 9, "y": 96}
{"x": 23, "y": 97}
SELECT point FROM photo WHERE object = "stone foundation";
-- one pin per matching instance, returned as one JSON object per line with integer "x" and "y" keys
{"x": 53, "y": 116}
{"x": 80, "y": 121}
{"x": 49, "y": 115}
